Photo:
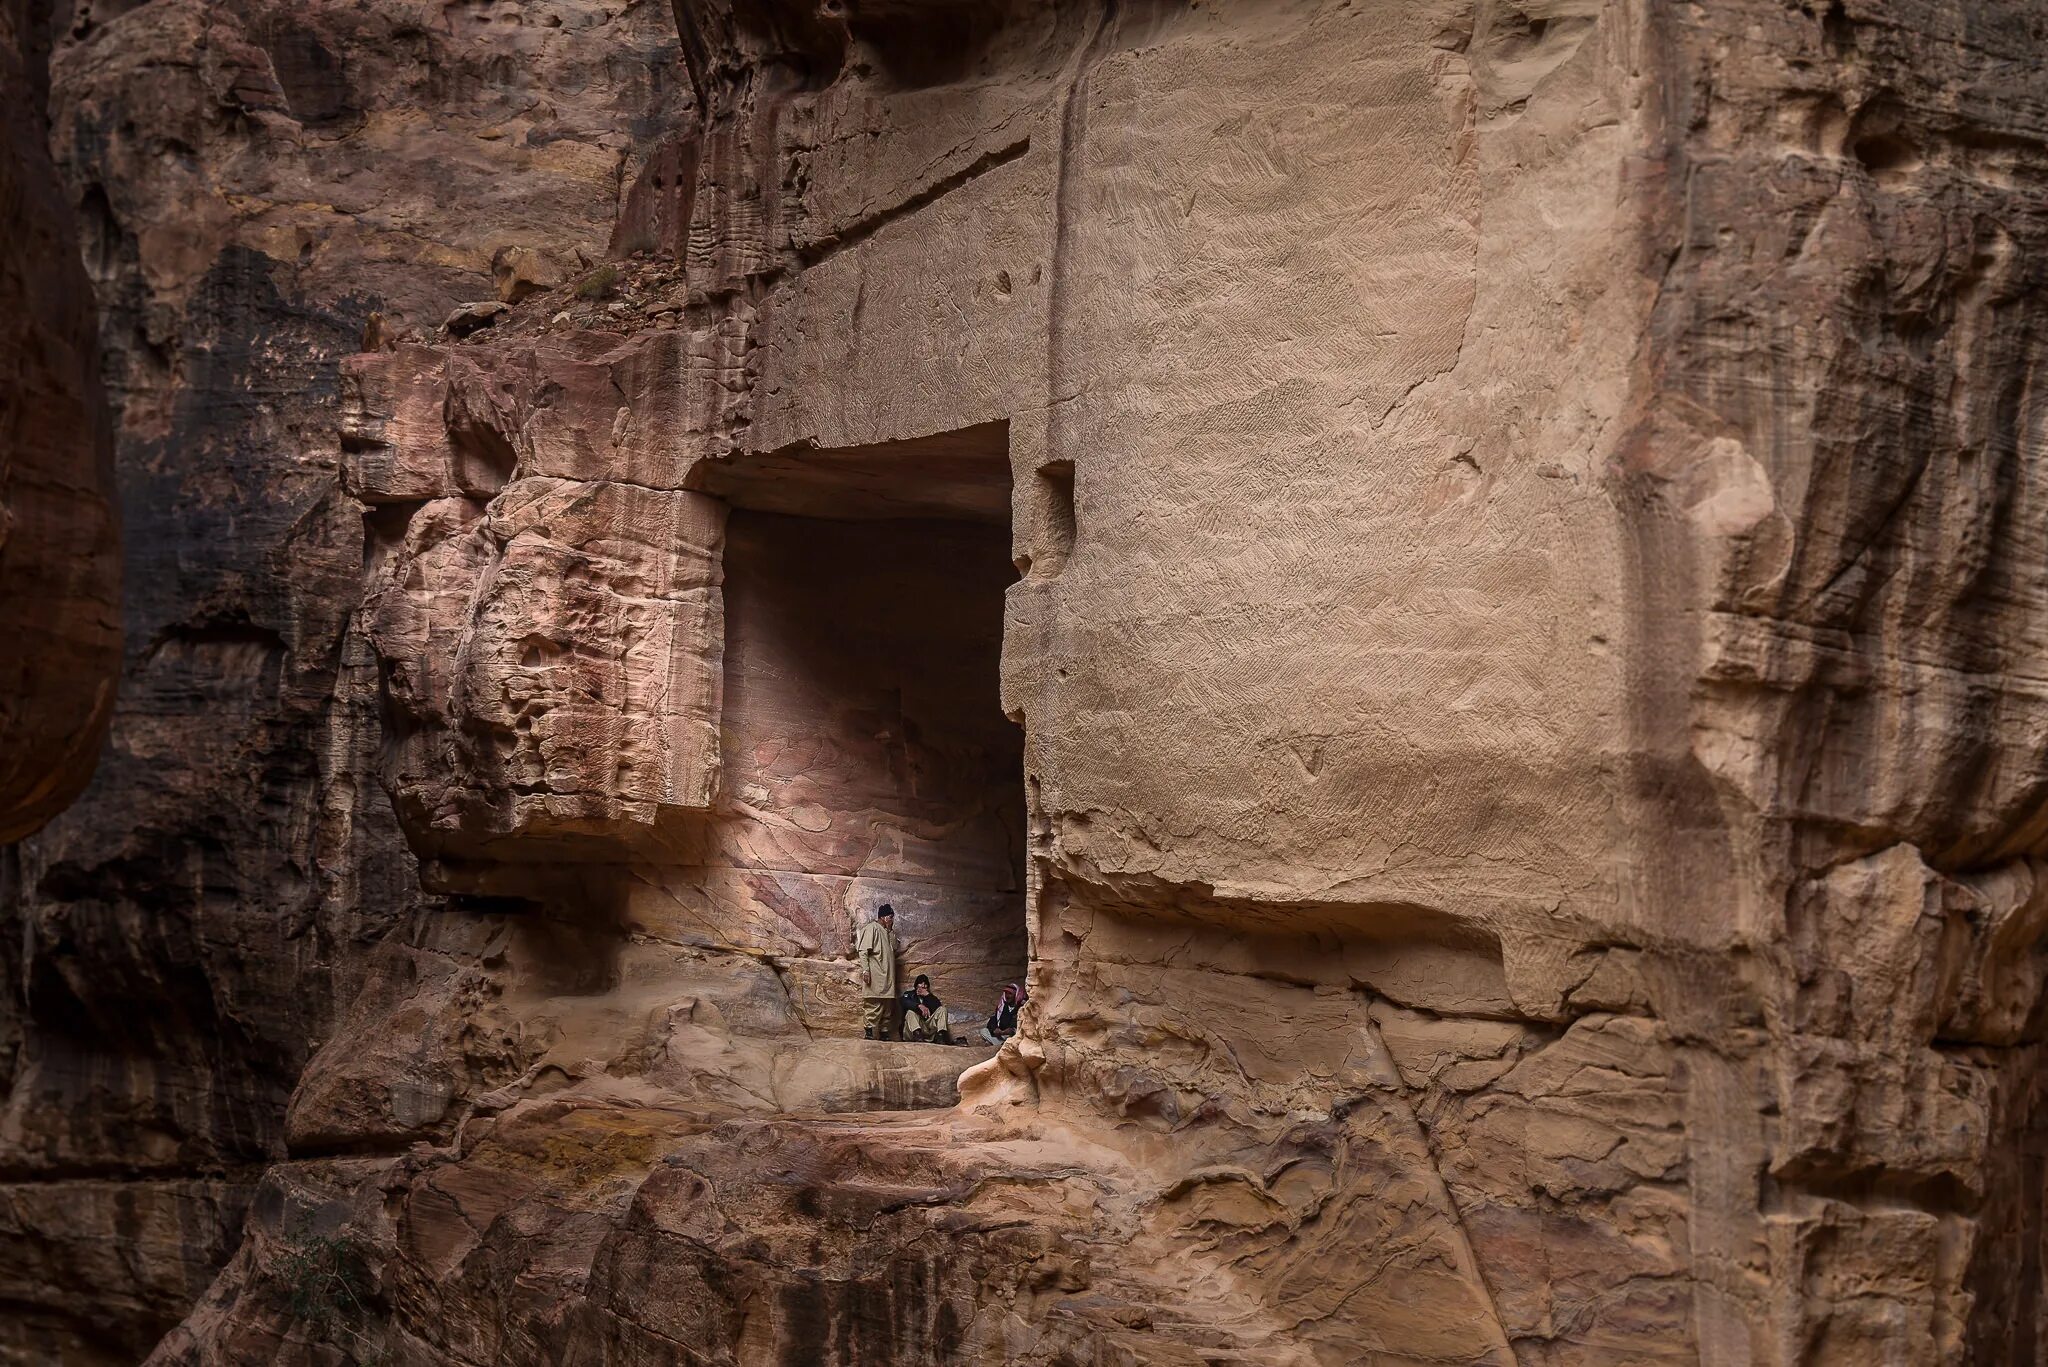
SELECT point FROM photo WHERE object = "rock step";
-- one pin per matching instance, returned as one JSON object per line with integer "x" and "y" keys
{"x": 842, "y": 1075}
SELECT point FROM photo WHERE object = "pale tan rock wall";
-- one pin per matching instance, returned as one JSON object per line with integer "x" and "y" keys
{"x": 1259, "y": 356}
{"x": 553, "y": 666}
{"x": 1335, "y": 600}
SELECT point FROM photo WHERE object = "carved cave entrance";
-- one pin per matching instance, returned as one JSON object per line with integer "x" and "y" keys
{"x": 863, "y": 744}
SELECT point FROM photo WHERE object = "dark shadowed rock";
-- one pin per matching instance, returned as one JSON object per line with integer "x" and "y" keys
{"x": 59, "y": 563}
{"x": 468, "y": 318}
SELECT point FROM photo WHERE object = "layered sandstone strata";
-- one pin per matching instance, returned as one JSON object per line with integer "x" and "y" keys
{"x": 1519, "y": 596}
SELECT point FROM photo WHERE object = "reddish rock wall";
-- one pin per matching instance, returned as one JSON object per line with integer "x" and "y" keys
{"x": 59, "y": 567}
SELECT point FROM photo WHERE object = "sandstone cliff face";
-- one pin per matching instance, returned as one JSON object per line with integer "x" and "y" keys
{"x": 59, "y": 566}
{"x": 1458, "y": 582}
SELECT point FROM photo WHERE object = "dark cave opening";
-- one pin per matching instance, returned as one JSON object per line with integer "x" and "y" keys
{"x": 863, "y": 733}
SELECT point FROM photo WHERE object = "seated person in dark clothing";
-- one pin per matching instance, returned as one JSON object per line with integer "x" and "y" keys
{"x": 1003, "y": 1023}
{"x": 924, "y": 1015}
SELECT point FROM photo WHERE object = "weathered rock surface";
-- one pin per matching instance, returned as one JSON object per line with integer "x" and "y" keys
{"x": 59, "y": 565}
{"x": 552, "y": 661}
{"x": 253, "y": 182}
{"x": 1520, "y": 595}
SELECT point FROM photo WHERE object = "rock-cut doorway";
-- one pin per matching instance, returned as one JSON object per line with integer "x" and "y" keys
{"x": 863, "y": 731}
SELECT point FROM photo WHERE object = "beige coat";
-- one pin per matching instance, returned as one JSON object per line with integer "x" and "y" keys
{"x": 875, "y": 949}
{"x": 917, "y": 1027}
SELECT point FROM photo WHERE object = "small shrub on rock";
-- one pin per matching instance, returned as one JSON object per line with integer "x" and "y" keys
{"x": 328, "y": 1288}
{"x": 601, "y": 283}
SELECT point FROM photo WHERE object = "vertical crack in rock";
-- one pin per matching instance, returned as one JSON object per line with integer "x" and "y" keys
{"x": 1440, "y": 1191}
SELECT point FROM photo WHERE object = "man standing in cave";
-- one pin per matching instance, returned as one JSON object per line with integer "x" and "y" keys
{"x": 876, "y": 951}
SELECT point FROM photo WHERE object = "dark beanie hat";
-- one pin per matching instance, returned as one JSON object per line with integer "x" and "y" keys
{"x": 884, "y": 910}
